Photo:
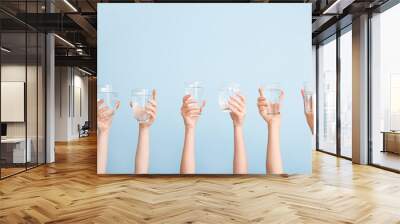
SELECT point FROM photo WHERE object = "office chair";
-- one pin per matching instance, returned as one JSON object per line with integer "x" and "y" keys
{"x": 84, "y": 130}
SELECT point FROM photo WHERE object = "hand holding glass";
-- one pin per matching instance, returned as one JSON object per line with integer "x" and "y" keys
{"x": 107, "y": 105}
{"x": 139, "y": 100}
{"x": 108, "y": 97}
{"x": 307, "y": 93}
{"x": 196, "y": 91}
{"x": 225, "y": 94}
{"x": 273, "y": 94}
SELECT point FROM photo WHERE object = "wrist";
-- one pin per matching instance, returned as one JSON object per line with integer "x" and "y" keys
{"x": 143, "y": 127}
{"x": 238, "y": 126}
{"x": 189, "y": 127}
{"x": 103, "y": 132}
{"x": 274, "y": 123}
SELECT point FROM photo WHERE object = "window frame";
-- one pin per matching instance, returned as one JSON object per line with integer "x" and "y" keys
{"x": 381, "y": 9}
{"x": 334, "y": 37}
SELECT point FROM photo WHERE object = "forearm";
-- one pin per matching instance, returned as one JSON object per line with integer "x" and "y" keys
{"x": 102, "y": 151}
{"x": 188, "y": 154}
{"x": 142, "y": 151}
{"x": 239, "y": 158}
{"x": 274, "y": 161}
{"x": 310, "y": 122}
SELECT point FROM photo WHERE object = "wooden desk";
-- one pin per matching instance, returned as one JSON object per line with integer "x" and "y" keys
{"x": 391, "y": 141}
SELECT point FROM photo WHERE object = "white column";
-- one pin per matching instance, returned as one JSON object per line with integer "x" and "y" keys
{"x": 50, "y": 100}
{"x": 50, "y": 92}
{"x": 360, "y": 90}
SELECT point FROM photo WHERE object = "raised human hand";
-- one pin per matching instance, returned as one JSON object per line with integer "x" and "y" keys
{"x": 264, "y": 106}
{"x": 308, "y": 114}
{"x": 151, "y": 110}
{"x": 105, "y": 115}
{"x": 191, "y": 111}
{"x": 237, "y": 106}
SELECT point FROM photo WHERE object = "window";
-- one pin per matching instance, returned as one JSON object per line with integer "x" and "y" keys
{"x": 22, "y": 77}
{"x": 385, "y": 89}
{"x": 394, "y": 102}
{"x": 346, "y": 93}
{"x": 327, "y": 96}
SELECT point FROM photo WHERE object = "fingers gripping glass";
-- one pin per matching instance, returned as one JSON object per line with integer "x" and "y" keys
{"x": 308, "y": 92}
{"x": 225, "y": 94}
{"x": 109, "y": 98}
{"x": 273, "y": 94}
{"x": 195, "y": 90}
{"x": 139, "y": 101}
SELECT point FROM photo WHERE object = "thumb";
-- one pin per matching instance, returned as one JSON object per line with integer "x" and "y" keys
{"x": 203, "y": 104}
{"x": 261, "y": 92}
{"x": 117, "y": 104}
{"x": 282, "y": 96}
{"x": 100, "y": 102}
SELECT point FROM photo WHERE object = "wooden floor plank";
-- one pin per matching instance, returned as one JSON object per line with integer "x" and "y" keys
{"x": 69, "y": 191}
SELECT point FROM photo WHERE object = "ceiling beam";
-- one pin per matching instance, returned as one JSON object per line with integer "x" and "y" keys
{"x": 86, "y": 26}
{"x": 338, "y": 6}
{"x": 81, "y": 61}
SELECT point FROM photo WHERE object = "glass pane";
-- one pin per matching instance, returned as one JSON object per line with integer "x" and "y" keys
{"x": 386, "y": 89}
{"x": 31, "y": 84}
{"x": 41, "y": 98}
{"x": 31, "y": 100}
{"x": 346, "y": 93}
{"x": 13, "y": 86}
{"x": 327, "y": 97}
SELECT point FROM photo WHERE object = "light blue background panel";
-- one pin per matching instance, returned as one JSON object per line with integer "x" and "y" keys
{"x": 163, "y": 45}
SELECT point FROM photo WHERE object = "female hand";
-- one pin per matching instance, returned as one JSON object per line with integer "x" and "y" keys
{"x": 237, "y": 106}
{"x": 191, "y": 111}
{"x": 105, "y": 115}
{"x": 264, "y": 106}
{"x": 309, "y": 114}
{"x": 151, "y": 110}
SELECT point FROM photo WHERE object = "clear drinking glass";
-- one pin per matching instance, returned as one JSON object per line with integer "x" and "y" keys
{"x": 273, "y": 93}
{"x": 225, "y": 93}
{"x": 139, "y": 100}
{"x": 308, "y": 97}
{"x": 196, "y": 90}
{"x": 109, "y": 97}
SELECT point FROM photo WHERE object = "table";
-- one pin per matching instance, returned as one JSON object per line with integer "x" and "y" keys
{"x": 391, "y": 141}
{"x": 17, "y": 149}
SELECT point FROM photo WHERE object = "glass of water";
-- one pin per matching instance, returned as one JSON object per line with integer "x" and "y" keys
{"x": 139, "y": 100}
{"x": 109, "y": 97}
{"x": 225, "y": 93}
{"x": 273, "y": 93}
{"x": 195, "y": 90}
{"x": 308, "y": 91}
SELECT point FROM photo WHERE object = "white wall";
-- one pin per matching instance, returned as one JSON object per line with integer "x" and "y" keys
{"x": 13, "y": 101}
{"x": 79, "y": 117}
{"x": 70, "y": 83}
{"x": 62, "y": 82}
